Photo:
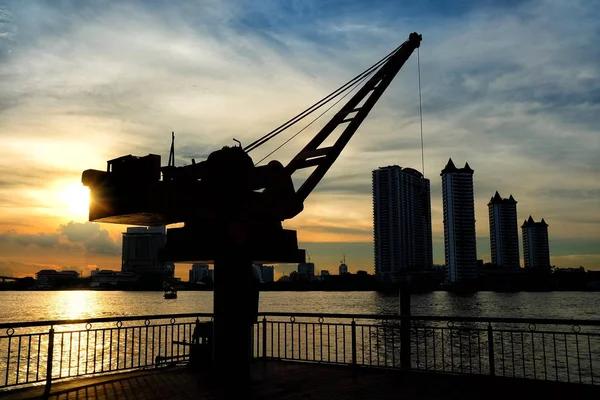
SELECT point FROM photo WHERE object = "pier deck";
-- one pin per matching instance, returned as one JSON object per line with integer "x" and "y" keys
{"x": 288, "y": 380}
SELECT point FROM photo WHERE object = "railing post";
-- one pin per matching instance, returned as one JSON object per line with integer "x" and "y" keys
{"x": 49, "y": 362}
{"x": 264, "y": 338}
{"x": 491, "y": 358}
{"x": 353, "y": 328}
{"x": 405, "y": 346}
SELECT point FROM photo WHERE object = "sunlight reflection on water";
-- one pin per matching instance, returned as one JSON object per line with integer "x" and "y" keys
{"x": 51, "y": 305}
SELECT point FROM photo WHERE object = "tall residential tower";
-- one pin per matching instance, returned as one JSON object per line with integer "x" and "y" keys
{"x": 536, "y": 251}
{"x": 459, "y": 223}
{"x": 401, "y": 222}
{"x": 504, "y": 231}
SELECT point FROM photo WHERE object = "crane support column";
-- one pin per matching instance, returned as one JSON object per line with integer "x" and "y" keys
{"x": 235, "y": 304}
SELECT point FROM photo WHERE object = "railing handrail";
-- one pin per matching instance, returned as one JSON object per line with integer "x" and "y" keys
{"x": 391, "y": 317}
{"x": 541, "y": 321}
{"x": 98, "y": 320}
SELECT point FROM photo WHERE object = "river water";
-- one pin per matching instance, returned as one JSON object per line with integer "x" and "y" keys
{"x": 53, "y": 305}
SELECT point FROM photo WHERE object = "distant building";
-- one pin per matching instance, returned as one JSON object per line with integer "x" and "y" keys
{"x": 536, "y": 251}
{"x": 211, "y": 274}
{"x": 401, "y": 222}
{"x": 460, "y": 242}
{"x": 324, "y": 272}
{"x": 109, "y": 278}
{"x": 504, "y": 231}
{"x": 50, "y": 278}
{"x": 343, "y": 268}
{"x": 141, "y": 246}
{"x": 267, "y": 273}
{"x": 198, "y": 272}
{"x": 306, "y": 269}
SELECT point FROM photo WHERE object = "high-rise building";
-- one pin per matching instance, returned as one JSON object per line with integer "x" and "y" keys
{"x": 460, "y": 243}
{"x": 198, "y": 272}
{"x": 504, "y": 231}
{"x": 267, "y": 273}
{"x": 141, "y": 246}
{"x": 306, "y": 269}
{"x": 536, "y": 251}
{"x": 401, "y": 222}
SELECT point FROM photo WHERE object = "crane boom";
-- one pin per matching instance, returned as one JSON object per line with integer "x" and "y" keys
{"x": 353, "y": 115}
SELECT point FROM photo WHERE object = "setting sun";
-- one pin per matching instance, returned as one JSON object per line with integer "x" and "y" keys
{"x": 76, "y": 199}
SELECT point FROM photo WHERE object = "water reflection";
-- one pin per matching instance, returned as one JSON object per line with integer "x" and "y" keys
{"x": 52, "y": 305}
{"x": 76, "y": 304}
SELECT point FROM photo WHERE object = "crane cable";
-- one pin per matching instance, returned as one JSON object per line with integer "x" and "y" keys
{"x": 315, "y": 119}
{"x": 348, "y": 86}
{"x": 421, "y": 113}
{"x": 314, "y": 107}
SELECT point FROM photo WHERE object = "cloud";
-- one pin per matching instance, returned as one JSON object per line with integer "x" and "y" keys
{"x": 22, "y": 269}
{"x": 7, "y": 32}
{"x": 94, "y": 239}
{"x": 37, "y": 239}
{"x": 28, "y": 177}
{"x": 72, "y": 236}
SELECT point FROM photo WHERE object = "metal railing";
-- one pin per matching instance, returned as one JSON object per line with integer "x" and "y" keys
{"x": 36, "y": 352}
{"x": 542, "y": 349}
{"x": 546, "y": 349}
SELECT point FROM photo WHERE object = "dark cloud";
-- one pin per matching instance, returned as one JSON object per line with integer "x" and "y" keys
{"x": 73, "y": 236}
{"x": 335, "y": 229}
{"x": 21, "y": 269}
{"x": 7, "y": 32}
{"x": 346, "y": 183}
{"x": 37, "y": 239}
{"x": 570, "y": 194}
{"x": 94, "y": 239}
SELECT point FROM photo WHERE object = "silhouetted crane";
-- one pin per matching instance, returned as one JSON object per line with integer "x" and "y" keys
{"x": 232, "y": 210}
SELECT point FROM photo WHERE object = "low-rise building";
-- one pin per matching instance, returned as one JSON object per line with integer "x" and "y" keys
{"x": 107, "y": 278}
{"x": 51, "y": 278}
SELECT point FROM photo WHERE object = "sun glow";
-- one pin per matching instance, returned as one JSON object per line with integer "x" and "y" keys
{"x": 76, "y": 200}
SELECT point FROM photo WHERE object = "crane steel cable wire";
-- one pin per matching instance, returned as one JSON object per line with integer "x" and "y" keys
{"x": 313, "y": 108}
{"x": 314, "y": 120}
{"x": 421, "y": 113}
{"x": 319, "y": 104}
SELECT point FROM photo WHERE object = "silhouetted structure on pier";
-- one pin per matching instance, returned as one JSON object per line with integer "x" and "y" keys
{"x": 232, "y": 209}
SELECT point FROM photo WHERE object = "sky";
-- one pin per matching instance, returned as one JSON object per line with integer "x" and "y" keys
{"x": 511, "y": 87}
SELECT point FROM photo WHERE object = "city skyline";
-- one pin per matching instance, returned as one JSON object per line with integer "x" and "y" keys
{"x": 81, "y": 85}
